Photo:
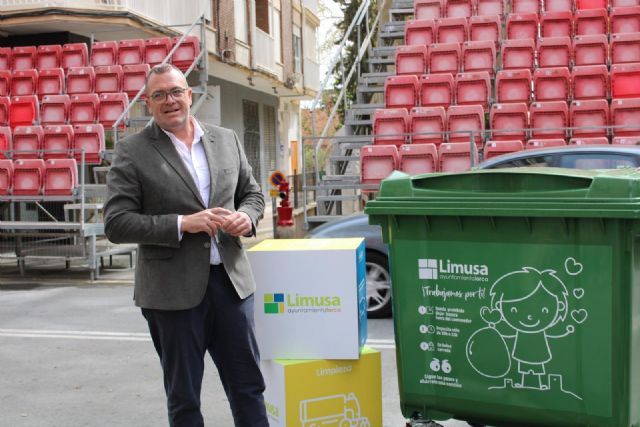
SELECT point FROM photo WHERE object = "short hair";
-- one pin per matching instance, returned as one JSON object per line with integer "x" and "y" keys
{"x": 161, "y": 69}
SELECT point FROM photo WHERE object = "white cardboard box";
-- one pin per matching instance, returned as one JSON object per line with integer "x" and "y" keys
{"x": 324, "y": 392}
{"x": 310, "y": 301}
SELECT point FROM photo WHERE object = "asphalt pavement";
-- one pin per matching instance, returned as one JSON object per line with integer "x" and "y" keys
{"x": 76, "y": 352}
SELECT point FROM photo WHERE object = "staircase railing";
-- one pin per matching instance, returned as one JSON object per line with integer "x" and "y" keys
{"x": 361, "y": 15}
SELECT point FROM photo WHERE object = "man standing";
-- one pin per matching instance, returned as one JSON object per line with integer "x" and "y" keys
{"x": 183, "y": 191}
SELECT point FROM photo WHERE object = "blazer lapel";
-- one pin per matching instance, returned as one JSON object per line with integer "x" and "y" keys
{"x": 209, "y": 144}
{"x": 164, "y": 146}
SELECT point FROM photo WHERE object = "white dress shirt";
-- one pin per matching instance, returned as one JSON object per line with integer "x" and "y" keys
{"x": 196, "y": 162}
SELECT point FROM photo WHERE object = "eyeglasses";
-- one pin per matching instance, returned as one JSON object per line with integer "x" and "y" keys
{"x": 161, "y": 95}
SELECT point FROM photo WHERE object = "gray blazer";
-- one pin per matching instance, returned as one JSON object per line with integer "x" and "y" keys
{"x": 148, "y": 186}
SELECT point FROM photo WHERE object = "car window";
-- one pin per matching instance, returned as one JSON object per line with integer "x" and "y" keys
{"x": 535, "y": 161}
{"x": 596, "y": 161}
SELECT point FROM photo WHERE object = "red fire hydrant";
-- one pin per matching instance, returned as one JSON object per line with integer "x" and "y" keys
{"x": 285, "y": 211}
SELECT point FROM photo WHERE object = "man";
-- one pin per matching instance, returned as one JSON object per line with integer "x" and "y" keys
{"x": 183, "y": 191}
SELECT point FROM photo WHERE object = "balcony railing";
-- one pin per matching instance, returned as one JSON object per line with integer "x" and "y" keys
{"x": 166, "y": 12}
{"x": 311, "y": 74}
{"x": 264, "y": 51}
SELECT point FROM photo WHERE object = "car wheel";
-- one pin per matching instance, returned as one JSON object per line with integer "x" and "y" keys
{"x": 378, "y": 286}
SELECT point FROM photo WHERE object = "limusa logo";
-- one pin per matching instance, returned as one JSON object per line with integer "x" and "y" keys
{"x": 447, "y": 269}
{"x": 279, "y": 303}
{"x": 273, "y": 303}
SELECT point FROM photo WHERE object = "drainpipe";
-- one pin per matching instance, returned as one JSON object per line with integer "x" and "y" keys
{"x": 252, "y": 33}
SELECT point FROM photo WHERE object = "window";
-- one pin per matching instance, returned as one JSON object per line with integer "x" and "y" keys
{"x": 277, "y": 39}
{"x": 262, "y": 15}
{"x": 297, "y": 50}
{"x": 240, "y": 21}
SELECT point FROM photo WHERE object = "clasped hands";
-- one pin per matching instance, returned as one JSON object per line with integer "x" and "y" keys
{"x": 211, "y": 220}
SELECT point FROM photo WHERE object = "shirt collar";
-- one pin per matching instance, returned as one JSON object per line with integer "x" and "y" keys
{"x": 197, "y": 133}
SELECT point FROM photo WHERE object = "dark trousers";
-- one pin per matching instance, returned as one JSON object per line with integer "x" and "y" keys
{"x": 223, "y": 325}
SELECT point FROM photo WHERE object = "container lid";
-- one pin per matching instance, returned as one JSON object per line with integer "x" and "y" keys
{"x": 521, "y": 192}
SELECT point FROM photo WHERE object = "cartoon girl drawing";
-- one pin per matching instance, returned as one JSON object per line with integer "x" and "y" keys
{"x": 530, "y": 303}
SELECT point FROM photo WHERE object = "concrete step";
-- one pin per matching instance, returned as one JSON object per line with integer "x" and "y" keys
{"x": 338, "y": 198}
{"x": 344, "y": 158}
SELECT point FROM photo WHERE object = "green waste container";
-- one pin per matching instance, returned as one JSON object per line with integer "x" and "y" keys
{"x": 515, "y": 295}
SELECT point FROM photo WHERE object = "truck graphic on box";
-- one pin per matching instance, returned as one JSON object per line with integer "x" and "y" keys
{"x": 341, "y": 410}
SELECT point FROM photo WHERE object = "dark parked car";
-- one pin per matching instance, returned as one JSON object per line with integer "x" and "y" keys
{"x": 357, "y": 225}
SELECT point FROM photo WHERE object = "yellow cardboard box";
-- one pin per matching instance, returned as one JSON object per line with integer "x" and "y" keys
{"x": 306, "y": 393}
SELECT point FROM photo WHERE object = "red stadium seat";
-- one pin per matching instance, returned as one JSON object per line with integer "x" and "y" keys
{"x": 131, "y": 52}
{"x": 464, "y": 118}
{"x": 556, "y": 24}
{"x": 108, "y": 79}
{"x": 625, "y": 81}
{"x": 57, "y": 141}
{"x": 485, "y": 28}
{"x": 428, "y": 9}
{"x": 533, "y": 144}
{"x": 157, "y": 49}
{"x": 48, "y": 56}
{"x": 23, "y": 111}
{"x": 5, "y": 106}
{"x": 436, "y": 90}
{"x": 50, "y": 82}
{"x": 623, "y": 140}
{"x": 390, "y": 126}
{"x": 54, "y": 109}
{"x": 74, "y": 55}
{"x": 24, "y": 82}
{"x": 104, "y": 53}
{"x": 522, "y": 26}
{"x": 60, "y": 177}
{"x": 28, "y": 177}
{"x": 23, "y": 58}
{"x": 490, "y": 7}
{"x": 458, "y": 8}
{"x": 184, "y": 56}
{"x": 456, "y": 157}
{"x": 452, "y": 30}
{"x": 133, "y": 79}
{"x": 558, "y": 6}
{"x": 377, "y": 162}
{"x": 5, "y": 58}
{"x": 473, "y": 89}
{"x": 591, "y": 50}
{"x": 509, "y": 122}
{"x": 428, "y": 125}
{"x": 590, "y": 118}
{"x": 591, "y": 21}
{"x": 552, "y": 84}
{"x": 518, "y": 54}
{"x": 591, "y": 4}
{"x": 6, "y": 176}
{"x": 5, "y": 82}
{"x": 84, "y": 108}
{"x": 513, "y": 86}
{"x": 411, "y": 60}
{"x": 555, "y": 52}
{"x": 590, "y": 82}
{"x": 479, "y": 56}
{"x": 419, "y": 32}
{"x": 27, "y": 142}
{"x": 526, "y": 6}
{"x": 625, "y": 48}
{"x": 549, "y": 120}
{"x": 80, "y": 80}
{"x": 625, "y": 117}
{"x": 497, "y": 148}
{"x": 6, "y": 141}
{"x": 624, "y": 3}
{"x": 589, "y": 141}
{"x": 89, "y": 138}
{"x": 112, "y": 105}
{"x": 401, "y": 92}
{"x": 418, "y": 158}
{"x": 625, "y": 19}
{"x": 444, "y": 58}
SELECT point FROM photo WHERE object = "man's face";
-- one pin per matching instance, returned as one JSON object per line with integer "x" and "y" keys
{"x": 170, "y": 112}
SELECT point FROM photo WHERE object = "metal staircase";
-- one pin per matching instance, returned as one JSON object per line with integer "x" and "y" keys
{"x": 339, "y": 191}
